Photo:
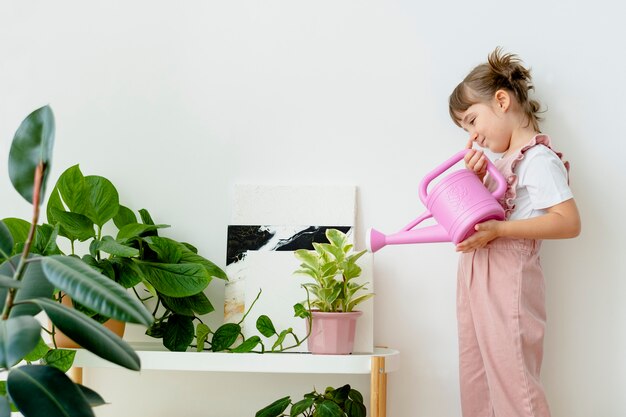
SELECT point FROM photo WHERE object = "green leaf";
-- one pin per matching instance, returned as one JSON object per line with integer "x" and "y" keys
{"x": 90, "y": 334}
{"x": 176, "y": 280}
{"x": 247, "y": 345}
{"x": 18, "y": 228}
{"x": 328, "y": 408}
{"x": 156, "y": 330}
{"x": 104, "y": 201}
{"x": 225, "y": 336}
{"x": 18, "y": 337}
{"x": 308, "y": 258}
{"x": 301, "y": 311}
{"x": 127, "y": 272}
{"x": 72, "y": 190}
{"x": 169, "y": 251}
{"x": 281, "y": 338}
{"x": 355, "y": 396}
{"x": 6, "y": 241}
{"x": 74, "y": 226}
{"x": 46, "y": 240}
{"x": 45, "y": 391}
{"x": 34, "y": 285}
{"x": 39, "y": 352}
{"x": 336, "y": 238}
{"x": 137, "y": 229}
{"x": 123, "y": 217}
{"x": 8, "y": 282}
{"x": 202, "y": 334}
{"x": 112, "y": 247}
{"x": 188, "y": 256}
{"x": 62, "y": 359}
{"x": 178, "y": 333}
{"x": 5, "y": 407}
{"x": 189, "y": 306}
{"x": 93, "y": 290}
{"x": 145, "y": 217}
{"x": 265, "y": 326}
{"x": 32, "y": 145}
{"x": 301, "y": 406}
{"x": 93, "y": 398}
{"x": 275, "y": 409}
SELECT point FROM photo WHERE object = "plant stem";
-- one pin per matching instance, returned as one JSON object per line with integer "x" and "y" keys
{"x": 19, "y": 272}
{"x": 251, "y": 305}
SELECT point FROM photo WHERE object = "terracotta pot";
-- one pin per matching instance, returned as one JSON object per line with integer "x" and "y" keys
{"x": 63, "y": 341}
{"x": 332, "y": 333}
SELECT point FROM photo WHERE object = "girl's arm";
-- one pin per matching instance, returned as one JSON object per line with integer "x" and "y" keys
{"x": 561, "y": 221}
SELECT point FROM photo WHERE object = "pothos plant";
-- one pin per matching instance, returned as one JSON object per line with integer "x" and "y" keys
{"x": 340, "y": 402}
{"x": 31, "y": 270}
{"x": 230, "y": 338}
{"x": 158, "y": 268}
{"x": 333, "y": 267}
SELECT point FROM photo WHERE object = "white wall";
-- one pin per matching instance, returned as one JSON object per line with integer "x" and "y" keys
{"x": 177, "y": 101}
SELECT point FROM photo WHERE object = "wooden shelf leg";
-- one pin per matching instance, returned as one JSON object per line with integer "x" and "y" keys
{"x": 378, "y": 388}
{"x": 76, "y": 374}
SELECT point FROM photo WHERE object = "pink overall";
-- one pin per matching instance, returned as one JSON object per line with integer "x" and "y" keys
{"x": 501, "y": 320}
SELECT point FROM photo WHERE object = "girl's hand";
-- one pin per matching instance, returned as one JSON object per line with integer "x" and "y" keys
{"x": 475, "y": 160}
{"x": 485, "y": 233}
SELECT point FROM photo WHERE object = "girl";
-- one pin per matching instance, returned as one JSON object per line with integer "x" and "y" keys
{"x": 500, "y": 299}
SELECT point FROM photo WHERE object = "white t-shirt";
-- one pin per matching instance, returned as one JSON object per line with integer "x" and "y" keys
{"x": 541, "y": 183}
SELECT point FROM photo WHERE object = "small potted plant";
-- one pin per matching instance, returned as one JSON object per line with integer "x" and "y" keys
{"x": 340, "y": 402}
{"x": 335, "y": 293}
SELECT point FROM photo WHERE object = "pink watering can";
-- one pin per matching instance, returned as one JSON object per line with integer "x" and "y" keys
{"x": 458, "y": 202}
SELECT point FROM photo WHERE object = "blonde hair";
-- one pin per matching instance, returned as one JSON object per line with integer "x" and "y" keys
{"x": 500, "y": 72}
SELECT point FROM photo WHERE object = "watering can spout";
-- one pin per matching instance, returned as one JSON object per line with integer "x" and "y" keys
{"x": 375, "y": 240}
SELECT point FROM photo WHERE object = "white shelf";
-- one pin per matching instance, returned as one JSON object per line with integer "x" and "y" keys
{"x": 154, "y": 357}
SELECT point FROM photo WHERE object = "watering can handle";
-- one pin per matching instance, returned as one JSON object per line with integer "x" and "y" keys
{"x": 491, "y": 169}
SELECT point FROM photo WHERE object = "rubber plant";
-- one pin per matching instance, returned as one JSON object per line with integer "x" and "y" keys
{"x": 334, "y": 402}
{"x": 31, "y": 272}
{"x": 81, "y": 206}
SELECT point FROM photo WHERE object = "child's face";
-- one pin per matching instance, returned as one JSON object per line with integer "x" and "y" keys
{"x": 488, "y": 126}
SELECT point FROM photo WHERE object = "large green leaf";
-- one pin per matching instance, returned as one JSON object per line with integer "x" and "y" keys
{"x": 34, "y": 285}
{"x": 73, "y": 190}
{"x": 113, "y": 247}
{"x": 275, "y": 409}
{"x": 225, "y": 336}
{"x": 189, "y": 256}
{"x": 328, "y": 408}
{"x": 46, "y": 240}
{"x": 32, "y": 145}
{"x": 127, "y": 273}
{"x": 45, "y": 391}
{"x": 89, "y": 334}
{"x": 6, "y": 241}
{"x": 188, "y": 306}
{"x": 5, "y": 407}
{"x": 124, "y": 216}
{"x": 18, "y": 228}
{"x": 74, "y": 226}
{"x": 176, "y": 280}
{"x": 8, "y": 282}
{"x": 93, "y": 398}
{"x": 104, "y": 201}
{"x": 39, "y": 352}
{"x": 178, "y": 333}
{"x": 94, "y": 290}
{"x": 301, "y": 406}
{"x": 137, "y": 229}
{"x": 168, "y": 251}
{"x": 62, "y": 359}
{"x": 18, "y": 337}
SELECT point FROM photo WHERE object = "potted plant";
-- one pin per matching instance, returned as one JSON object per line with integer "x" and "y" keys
{"x": 30, "y": 272}
{"x": 333, "y": 267}
{"x": 170, "y": 273}
{"x": 340, "y": 402}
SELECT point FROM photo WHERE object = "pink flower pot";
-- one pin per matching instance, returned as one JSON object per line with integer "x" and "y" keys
{"x": 332, "y": 333}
